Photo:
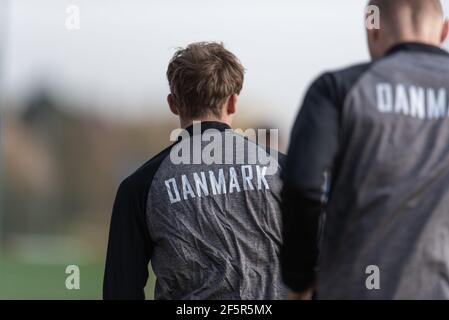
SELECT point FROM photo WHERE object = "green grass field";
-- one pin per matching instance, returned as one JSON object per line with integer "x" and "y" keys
{"x": 19, "y": 280}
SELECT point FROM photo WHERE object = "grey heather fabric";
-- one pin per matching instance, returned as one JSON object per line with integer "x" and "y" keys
{"x": 209, "y": 244}
{"x": 390, "y": 201}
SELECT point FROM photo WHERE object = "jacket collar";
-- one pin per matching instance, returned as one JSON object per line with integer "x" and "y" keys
{"x": 220, "y": 126}
{"x": 416, "y": 47}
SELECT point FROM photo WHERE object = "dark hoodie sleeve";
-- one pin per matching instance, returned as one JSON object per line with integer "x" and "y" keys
{"x": 129, "y": 247}
{"x": 310, "y": 160}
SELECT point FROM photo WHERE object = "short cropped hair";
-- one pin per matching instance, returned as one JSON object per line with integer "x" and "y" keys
{"x": 419, "y": 10}
{"x": 201, "y": 78}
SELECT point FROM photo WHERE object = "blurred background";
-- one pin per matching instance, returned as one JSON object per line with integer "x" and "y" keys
{"x": 82, "y": 109}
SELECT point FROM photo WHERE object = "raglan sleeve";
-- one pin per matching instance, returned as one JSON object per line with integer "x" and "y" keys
{"x": 129, "y": 246}
{"x": 314, "y": 144}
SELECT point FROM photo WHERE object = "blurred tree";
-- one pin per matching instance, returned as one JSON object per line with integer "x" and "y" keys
{"x": 4, "y": 5}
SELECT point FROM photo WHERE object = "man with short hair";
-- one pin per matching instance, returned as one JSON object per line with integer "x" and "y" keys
{"x": 205, "y": 211}
{"x": 370, "y": 149}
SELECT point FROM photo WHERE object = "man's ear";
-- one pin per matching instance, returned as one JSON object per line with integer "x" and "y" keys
{"x": 374, "y": 43}
{"x": 374, "y": 35}
{"x": 231, "y": 106}
{"x": 172, "y": 105}
{"x": 445, "y": 32}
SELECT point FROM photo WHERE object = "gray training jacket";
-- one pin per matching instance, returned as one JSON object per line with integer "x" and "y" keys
{"x": 211, "y": 231}
{"x": 371, "y": 143}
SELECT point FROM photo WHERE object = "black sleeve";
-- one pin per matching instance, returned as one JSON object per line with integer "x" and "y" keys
{"x": 129, "y": 247}
{"x": 313, "y": 148}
